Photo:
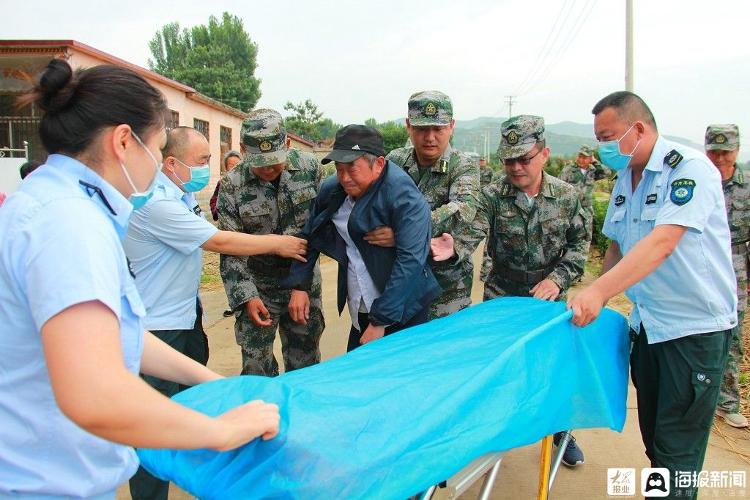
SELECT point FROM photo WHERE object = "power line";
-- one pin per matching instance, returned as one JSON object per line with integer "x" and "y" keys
{"x": 563, "y": 48}
{"x": 548, "y": 44}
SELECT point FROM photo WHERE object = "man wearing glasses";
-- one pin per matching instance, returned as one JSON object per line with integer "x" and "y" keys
{"x": 536, "y": 232}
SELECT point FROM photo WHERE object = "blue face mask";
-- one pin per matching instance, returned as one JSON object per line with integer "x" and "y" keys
{"x": 612, "y": 156}
{"x": 199, "y": 176}
{"x": 139, "y": 198}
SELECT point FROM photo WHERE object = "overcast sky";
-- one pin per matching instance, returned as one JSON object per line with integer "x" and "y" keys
{"x": 360, "y": 59}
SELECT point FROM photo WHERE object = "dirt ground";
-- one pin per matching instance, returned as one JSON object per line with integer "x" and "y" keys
{"x": 729, "y": 449}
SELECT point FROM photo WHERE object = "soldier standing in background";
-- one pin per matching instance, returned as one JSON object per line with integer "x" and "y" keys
{"x": 582, "y": 173}
{"x": 270, "y": 192}
{"x": 485, "y": 172}
{"x": 449, "y": 181}
{"x": 534, "y": 224}
{"x": 722, "y": 147}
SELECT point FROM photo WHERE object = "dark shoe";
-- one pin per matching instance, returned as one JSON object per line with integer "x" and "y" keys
{"x": 228, "y": 313}
{"x": 573, "y": 455}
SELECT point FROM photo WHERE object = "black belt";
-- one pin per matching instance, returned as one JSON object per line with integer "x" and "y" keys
{"x": 526, "y": 277}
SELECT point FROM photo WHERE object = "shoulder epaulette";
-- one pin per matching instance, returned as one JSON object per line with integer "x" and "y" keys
{"x": 673, "y": 158}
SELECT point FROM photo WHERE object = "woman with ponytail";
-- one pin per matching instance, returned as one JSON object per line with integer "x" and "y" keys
{"x": 71, "y": 343}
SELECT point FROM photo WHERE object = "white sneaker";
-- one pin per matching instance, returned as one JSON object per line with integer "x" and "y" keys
{"x": 734, "y": 419}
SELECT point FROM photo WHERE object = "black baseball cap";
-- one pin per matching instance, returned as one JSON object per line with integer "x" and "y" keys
{"x": 353, "y": 141}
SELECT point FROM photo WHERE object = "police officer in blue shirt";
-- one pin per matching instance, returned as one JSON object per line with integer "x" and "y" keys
{"x": 164, "y": 244}
{"x": 670, "y": 250}
{"x": 72, "y": 343}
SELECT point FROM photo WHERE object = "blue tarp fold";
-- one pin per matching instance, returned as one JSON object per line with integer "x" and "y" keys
{"x": 405, "y": 412}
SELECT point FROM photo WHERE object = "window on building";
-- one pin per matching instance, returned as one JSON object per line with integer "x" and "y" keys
{"x": 225, "y": 140}
{"x": 174, "y": 119}
{"x": 201, "y": 126}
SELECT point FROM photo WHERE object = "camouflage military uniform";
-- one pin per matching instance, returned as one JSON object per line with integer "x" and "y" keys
{"x": 451, "y": 187}
{"x": 251, "y": 205}
{"x": 529, "y": 243}
{"x": 737, "y": 200}
{"x": 485, "y": 176}
{"x": 584, "y": 183}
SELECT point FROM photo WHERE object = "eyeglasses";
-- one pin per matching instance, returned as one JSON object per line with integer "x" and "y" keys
{"x": 523, "y": 160}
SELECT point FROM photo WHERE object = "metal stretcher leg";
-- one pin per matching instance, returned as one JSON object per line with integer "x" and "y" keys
{"x": 558, "y": 457}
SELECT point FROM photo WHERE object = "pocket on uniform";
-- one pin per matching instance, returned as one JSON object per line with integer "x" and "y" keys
{"x": 705, "y": 388}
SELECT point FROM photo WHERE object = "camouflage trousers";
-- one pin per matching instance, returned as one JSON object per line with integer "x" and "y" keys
{"x": 588, "y": 220}
{"x": 456, "y": 282}
{"x": 729, "y": 393}
{"x": 300, "y": 344}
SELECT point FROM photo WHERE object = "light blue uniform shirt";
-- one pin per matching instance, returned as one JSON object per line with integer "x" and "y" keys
{"x": 163, "y": 244}
{"x": 694, "y": 290}
{"x": 59, "y": 246}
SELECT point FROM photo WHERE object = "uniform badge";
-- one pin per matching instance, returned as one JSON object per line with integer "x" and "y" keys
{"x": 720, "y": 139}
{"x": 651, "y": 199}
{"x": 682, "y": 191}
{"x": 443, "y": 165}
{"x": 512, "y": 138}
{"x": 619, "y": 200}
{"x": 265, "y": 146}
{"x": 673, "y": 158}
{"x": 430, "y": 109}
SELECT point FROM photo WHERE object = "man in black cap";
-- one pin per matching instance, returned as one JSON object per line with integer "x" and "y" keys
{"x": 387, "y": 288}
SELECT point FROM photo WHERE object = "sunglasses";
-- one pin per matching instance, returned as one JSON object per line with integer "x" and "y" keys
{"x": 523, "y": 160}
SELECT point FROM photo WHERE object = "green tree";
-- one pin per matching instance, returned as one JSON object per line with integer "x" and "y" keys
{"x": 218, "y": 59}
{"x": 308, "y": 122}
{"x": 394, "y": 134}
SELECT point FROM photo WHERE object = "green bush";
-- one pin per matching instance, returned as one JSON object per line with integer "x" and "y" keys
{"x": 600, "y": 212}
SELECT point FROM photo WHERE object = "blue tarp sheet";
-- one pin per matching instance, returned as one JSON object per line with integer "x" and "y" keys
{"x": 408, "y": 411}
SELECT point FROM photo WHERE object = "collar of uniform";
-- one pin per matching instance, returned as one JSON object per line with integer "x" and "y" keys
{"x": 737, "y": 177}
{"x": 77, "y": 171}
{"x": 170, "y": 189}
{"x": 546, "y": 189}
{"x": 435, "y": 167}
{"x": 656, "y": 160}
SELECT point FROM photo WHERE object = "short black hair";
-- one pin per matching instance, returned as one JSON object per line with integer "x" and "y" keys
{"x": 28, "y": 167}
{"x": 628, "y": 106}
{"x": 78, "y": 105}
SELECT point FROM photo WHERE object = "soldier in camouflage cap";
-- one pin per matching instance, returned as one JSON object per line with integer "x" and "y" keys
{"x": 581, "y": 174}
{"x": 449, "y": 180}
{"x": 263, "y": 138}
{"x": 430, "y": 108}
{"x": 271, "y": 191}
{"x": 723, "y": 137}
{"x": 722, "y": 147}
{"x": 519, "y": 135}
{"x": 536, "y": 235}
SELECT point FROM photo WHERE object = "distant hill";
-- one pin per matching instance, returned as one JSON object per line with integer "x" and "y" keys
{"x": 563, "y": 138}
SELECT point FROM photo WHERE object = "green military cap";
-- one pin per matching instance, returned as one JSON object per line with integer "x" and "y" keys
{"x": 722, "y": 136}
{"x": 585, "y": 151}
{"x": 429, "y": 108}
{"x": 264, "y": 137}
{"x": 519, "y": 134}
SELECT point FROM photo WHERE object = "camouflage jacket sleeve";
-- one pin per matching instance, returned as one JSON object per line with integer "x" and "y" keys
{"x": 565, "y": 174}
{"x": 601, "y": 172}
{"x": 571, "y": 265}
{"x": 457, "y": 215}
{"x": 238, "y": 281}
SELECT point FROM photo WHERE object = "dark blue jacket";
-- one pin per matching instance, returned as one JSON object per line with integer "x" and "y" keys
{"x": 402, "y": 274}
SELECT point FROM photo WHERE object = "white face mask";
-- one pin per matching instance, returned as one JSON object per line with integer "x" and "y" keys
{"x": 138, "y": 199}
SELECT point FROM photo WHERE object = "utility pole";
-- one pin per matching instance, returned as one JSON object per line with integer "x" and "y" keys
{"x": 629, "y": 45}
{"x": 509, "y": 102}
